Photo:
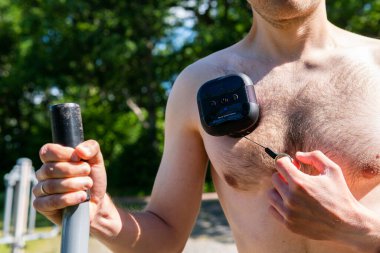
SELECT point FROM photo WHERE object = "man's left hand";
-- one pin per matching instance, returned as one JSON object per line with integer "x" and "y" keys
{"x": 318, "y": 207}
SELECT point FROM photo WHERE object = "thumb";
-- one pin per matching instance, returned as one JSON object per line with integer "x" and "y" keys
{"x": 89, "y": 151}
{"x": 287, "y": 167}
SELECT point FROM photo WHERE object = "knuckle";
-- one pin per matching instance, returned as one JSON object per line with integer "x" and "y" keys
{"x": 337, "y": 169}
{"x": 48, "y": 170}
{"x": 48, "y": 188}
{"x": 317, "y": 153}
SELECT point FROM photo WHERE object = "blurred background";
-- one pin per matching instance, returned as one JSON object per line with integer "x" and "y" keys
{"x": 118, "y": 60}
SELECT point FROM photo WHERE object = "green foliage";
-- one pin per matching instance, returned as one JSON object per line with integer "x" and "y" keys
{"x": 100, "y": 55}
{"x": 358, "y": 16}
{"x": 117, "y": 59}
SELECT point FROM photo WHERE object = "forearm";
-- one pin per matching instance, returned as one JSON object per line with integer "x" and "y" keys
{"x": 124, "y": 232}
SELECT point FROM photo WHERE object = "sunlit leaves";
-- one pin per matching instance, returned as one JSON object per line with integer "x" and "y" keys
{"x": 109, "y": 55}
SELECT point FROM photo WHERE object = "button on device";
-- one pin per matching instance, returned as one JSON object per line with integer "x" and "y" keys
{"x": 235, "y": 97}
{"x": 224, "y": 100}
{"x": 212, "y": 103}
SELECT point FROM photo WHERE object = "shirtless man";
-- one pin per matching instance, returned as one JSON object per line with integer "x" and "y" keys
{"x": 318, "y": 88}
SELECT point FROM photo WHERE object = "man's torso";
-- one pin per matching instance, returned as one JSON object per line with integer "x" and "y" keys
{"x": 329, "y": 102}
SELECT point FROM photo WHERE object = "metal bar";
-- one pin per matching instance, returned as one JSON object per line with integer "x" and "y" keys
{"x": 21, "y": 171}
{"x": 22, "y": 200}
{"x": 8, "y": 210}
{"x": 32, "y": 211}
{"x": 43, "y": 235}
{"x": 32, "y": 215}
{"x": 67, "y": 130}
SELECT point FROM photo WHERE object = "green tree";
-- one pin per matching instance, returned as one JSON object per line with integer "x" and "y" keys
{"x": 118, "y": 60}
{"x": 362, "y": 17}
{"x": 102, "y": 55}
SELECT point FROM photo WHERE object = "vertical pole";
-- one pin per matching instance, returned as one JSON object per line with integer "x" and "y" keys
{"x": 67, "y": 130}
{"x": 32, "y": 211}
{"x": 32, "y": 214}
{"x": 8, "y": 204}
{"x": 22, "y": 200}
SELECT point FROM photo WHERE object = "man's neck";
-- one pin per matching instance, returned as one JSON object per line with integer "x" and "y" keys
{"x": 285, "y": 41}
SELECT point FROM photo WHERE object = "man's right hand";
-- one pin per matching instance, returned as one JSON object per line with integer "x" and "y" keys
{"x": 65, "y": 176}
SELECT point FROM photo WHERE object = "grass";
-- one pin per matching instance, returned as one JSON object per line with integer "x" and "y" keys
{"x": 51, "y": 245}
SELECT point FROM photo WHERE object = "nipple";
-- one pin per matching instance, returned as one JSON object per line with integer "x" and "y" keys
{"x": 370, "y": 172}
{"x": 371, "y": 168}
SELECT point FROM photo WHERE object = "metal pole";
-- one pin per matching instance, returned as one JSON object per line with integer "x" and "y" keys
{"x": 67, "y": 130}
{"x": 10, "y": 182}
{"x": 22, "y": 200}
{"x": 32, "y": 211}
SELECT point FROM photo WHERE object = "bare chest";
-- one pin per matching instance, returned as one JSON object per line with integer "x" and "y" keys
{"x": 335, "y": 112}
{"x": 247, "y": 212}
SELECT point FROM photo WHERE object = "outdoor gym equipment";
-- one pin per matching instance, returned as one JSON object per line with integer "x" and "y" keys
{"x": 19, "y": 214}
{"x": 67, "y": 130}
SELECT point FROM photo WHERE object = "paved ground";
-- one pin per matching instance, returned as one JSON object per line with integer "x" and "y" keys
{"x": 211, "y": 233}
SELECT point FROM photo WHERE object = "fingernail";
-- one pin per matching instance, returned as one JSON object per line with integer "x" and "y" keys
{"x": 86, "y": 150}
{"x": 86, "y": 168}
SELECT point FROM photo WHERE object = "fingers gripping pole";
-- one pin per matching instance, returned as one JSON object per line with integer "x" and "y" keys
{"x": 67, "y": 130}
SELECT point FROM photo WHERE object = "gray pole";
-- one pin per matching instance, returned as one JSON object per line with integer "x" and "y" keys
{"x": 67, "y": 130}
{"x": 32, "y": 211}
{"x": 10, "y": 182}
{"x": 22, "y": 204}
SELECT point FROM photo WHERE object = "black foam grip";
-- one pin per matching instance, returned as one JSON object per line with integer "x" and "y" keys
{"x": 66, "y": 124}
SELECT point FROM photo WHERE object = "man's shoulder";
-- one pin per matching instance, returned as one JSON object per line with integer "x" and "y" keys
{"x": 364, "y": 46}
{"x": 215, "y": 64}
{"x": 371, "y": 49}
{"x": 212, "y": 66}
{"x": 184, "y": 91}
{"x": 374, "y": 50}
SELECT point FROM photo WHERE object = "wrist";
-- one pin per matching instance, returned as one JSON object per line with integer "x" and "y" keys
{"x": 115, "y": 228}
{"x": 106, "y": 221}
{"x": 365, "y": 235}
